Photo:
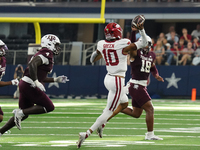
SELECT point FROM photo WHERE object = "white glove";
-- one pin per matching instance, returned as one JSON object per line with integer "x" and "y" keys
{"x": 15, "y": 82}
{"x": 61, "y": 79}
{"x": 127, "y": 87}
{"x": 39, "y": 85}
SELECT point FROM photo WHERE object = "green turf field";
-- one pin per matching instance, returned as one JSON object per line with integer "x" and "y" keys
{"x": 176, "y": 121}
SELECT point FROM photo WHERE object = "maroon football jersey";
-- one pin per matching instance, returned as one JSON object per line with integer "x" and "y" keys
{"x": 140, "y": 67}
{"x": 2, "y": 66}
{"x": 43, "y": 69}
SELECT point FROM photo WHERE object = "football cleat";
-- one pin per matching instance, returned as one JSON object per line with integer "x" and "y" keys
{"x": 82, "y": 137}
{"x": 17, "y": 118}
{"x": 152, "y": 137}
{"x": 100, "y": 130}
{"x": 8, "y": 132}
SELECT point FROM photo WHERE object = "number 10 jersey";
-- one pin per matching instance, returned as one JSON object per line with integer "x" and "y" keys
{"x": 112, "y": 52}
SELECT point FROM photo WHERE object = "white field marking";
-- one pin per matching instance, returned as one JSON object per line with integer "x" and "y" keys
{"x": 120, "y": 128}
{"x": 133, "y": 123}
{"x": 56, "y": 104}
{"x": 104, "y": 143}
{"x": 184, "y": 115}
{"x": 26, "y": 145}
{"x": 76, "y": 135}
{"x": 121, "y": 118}
{"x": 196, "y": 107}
{"x": 60, "y": 145}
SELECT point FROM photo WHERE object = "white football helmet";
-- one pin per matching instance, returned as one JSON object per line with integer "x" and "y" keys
{"x": 3, "y": 48}
{"x": 51, "y": 42}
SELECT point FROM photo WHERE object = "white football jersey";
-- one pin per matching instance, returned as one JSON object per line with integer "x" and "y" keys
{"x": 116, "y": 62}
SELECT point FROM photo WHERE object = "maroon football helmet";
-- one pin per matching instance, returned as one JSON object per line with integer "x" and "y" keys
{"x": 113, "y": 31}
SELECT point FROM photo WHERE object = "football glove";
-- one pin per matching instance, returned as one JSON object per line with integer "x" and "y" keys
{"x": 15, "y": 82}
{"x": 39, "y": 85}
{"x": 61, "y": 79}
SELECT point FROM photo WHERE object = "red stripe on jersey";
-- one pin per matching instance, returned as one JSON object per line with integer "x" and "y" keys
{"x": 115, "y": 94}
{"x": 118, "y": 94}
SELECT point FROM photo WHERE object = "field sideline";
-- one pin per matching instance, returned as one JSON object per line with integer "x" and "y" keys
{"x": 176, "y": 121}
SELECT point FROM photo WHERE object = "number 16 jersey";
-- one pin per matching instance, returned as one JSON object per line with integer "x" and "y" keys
{"x": 112, "y": 52}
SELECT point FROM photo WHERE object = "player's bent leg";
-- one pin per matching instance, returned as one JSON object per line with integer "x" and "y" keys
{"x": 135, "y": 112}
{"x": 37, "y": 109}
{"x": 120, "y": 107}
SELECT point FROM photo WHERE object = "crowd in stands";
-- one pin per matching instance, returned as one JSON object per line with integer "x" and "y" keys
{"x": 174, "y": 49}
{"x": 183, "y": 49}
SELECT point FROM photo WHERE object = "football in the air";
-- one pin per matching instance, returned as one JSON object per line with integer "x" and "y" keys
{"x": 137, "y": 20}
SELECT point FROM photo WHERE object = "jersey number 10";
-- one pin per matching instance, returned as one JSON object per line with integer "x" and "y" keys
{"x": 111, "y": 57}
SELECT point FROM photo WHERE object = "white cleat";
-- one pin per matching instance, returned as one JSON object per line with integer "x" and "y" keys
{"x": 8, "y": 132}
{"x": 100, "y": 130}
{"x": 152, "y": 137}
{"x": 82, "y": 137}
{"x": 17, "y": 118}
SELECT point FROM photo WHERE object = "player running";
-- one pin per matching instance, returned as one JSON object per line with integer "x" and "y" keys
{"x": 114, "y": 51}
{"x": 32, "y": 99}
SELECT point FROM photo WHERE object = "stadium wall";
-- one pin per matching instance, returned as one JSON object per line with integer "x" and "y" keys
{"x": 88, "y": 81}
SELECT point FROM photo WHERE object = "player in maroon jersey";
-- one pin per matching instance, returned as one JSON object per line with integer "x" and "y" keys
{"x": 3, "y": 49}
{"x": 142, "y": 63}
{"x": 32, "y": 99}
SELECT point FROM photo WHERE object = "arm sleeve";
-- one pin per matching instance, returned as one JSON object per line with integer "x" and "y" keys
{"x": 44, "y": 59}
{"x": 154, "y": 71}
{"x": 133, "y": 36}
{"x": 94, "y": 54}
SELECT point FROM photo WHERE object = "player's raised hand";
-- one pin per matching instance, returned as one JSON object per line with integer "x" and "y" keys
{"x": 61, "y": 79}
{"x": 138, "y": 22}
{"x": 39, "y": 85}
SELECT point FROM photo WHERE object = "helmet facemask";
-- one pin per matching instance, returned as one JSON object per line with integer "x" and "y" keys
{"x": 147, "y": 48}
{"x": 3, "y": 49}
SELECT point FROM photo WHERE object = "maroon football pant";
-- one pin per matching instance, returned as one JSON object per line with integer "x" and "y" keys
{"x": 29, "y": 96}
{"x": 139, "y": 95}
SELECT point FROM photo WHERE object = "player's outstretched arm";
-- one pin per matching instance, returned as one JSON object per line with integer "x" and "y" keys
{"x": 59, "y": 79}
{"x": 2, "y": 83}
{"x": 155, "y": 73}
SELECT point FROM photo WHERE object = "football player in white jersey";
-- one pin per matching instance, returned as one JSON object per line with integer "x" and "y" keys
{"x": 114, "y": 51}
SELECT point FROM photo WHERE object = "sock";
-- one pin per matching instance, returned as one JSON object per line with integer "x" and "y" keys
{"x": 87, "y": 133}
{"x": 150, "y": 133}
{"x": 21, "y": 113}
